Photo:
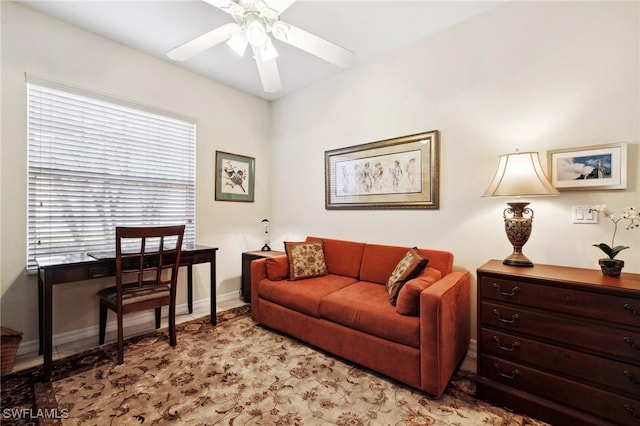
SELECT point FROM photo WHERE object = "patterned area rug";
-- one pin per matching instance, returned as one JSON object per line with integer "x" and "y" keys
{"x": 236, "y": 374}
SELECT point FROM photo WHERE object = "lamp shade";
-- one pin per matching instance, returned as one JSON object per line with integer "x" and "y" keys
{"x": 519, "y": 174}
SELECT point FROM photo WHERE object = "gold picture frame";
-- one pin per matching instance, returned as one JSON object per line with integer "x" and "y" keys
{"x": 398, "y": 173}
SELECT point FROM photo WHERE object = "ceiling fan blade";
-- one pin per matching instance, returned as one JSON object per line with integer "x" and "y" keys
{"x": 313, "y": 44}
{"x": 269, "y": 75}
{"x": 278, "y": 5}
{"x": 229, "y": 6}
{"x": 203, "y": 42}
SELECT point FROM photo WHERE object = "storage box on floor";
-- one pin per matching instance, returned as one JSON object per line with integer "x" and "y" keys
{"x": 9, "y": 342}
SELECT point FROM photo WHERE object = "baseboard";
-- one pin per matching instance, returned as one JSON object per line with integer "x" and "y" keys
{"x": 31, "y": 346}
{"x": 469, "y": 363}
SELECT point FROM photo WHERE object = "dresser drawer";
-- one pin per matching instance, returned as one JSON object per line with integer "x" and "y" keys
{"x": 601, "y": 339}
{"x": 605, "y": 307}
{"x": 601, "y": 372}
{"x": 606, "y": 405}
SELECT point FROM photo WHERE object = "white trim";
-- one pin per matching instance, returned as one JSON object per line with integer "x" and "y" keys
{"x": 41, "y": 81}
{"x": 470, "y": 361}
{"x": 200, "y": 308}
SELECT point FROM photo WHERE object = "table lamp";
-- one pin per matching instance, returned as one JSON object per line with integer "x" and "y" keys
{"x": 519, "y": 175}
{"x": 265, "y": 247}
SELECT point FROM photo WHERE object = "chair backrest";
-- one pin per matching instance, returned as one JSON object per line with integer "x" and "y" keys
{"x": 151, "y": 254}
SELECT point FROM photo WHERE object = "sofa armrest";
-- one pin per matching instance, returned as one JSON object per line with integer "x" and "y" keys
{"x": 445, "y": 329}
{"x": 258, "y": 273}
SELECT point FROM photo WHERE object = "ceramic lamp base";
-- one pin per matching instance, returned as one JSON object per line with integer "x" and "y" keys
{"x": 517, "y": 259}
{"x": 518, "y": 229}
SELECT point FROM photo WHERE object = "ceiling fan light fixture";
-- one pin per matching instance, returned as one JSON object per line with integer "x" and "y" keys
{"x": 238, "y": 43}
{"x": 254, "y": 23}
{"x": 256, "y": 32}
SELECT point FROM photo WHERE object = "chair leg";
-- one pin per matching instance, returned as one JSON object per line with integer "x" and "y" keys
{"x": 120, "y": 340}
{"x": 158, "y": 316}
{"x": 103, "y": 323}
{"x": 172, "y": 325}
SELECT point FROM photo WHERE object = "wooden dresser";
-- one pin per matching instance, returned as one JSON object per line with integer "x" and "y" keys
{"x": 560, "y": 344}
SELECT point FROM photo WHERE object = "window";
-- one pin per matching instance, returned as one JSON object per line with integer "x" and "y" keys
{"x": 95, "y": 163}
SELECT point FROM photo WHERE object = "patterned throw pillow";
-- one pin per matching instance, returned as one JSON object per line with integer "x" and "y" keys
{"x": 412, "y": 264}
{"x": 306, "y": 260}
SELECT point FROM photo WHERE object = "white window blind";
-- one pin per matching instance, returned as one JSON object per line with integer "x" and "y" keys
{"x": 95, "y": 164}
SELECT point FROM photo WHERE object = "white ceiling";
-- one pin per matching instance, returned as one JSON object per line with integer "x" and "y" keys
{"x": 367, "y": 28}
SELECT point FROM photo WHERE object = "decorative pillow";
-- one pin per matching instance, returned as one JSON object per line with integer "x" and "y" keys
{"x": 409, "y": 266}
{"x": 306, "y": 260}
{"x": 408, "y": 302}
{"x": 277, "y": 268}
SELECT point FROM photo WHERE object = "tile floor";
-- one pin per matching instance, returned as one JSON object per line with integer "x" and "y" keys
{"x": 30, "y": 359}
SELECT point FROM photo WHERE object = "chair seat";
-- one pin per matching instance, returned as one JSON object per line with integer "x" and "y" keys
{"x": 131, "y": 293}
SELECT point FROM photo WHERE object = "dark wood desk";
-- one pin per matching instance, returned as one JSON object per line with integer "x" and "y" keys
{"x": 54, "y": 270}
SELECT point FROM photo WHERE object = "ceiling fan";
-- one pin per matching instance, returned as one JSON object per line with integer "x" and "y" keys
{"x": 254, "y": 20}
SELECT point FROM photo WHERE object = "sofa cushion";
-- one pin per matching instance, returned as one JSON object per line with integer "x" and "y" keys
{"x": 277, "y": 268}
{"x": 364, "y": 306}
{"x": 411, "y": 264}
{"x": 304, "y": 295}
{"x": 409, "y": 297}
{"x": 342, "y": 257}
{"x": 306, "y": 259}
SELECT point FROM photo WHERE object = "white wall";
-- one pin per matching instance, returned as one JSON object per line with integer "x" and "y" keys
{"x": 228, "y": 120}
{"x": 534, "y": 76}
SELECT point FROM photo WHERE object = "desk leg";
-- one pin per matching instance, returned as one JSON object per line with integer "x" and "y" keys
{"x": 190, "y": 288}
{"x": 40, "y": 314}
{"x": 48, "y": 330}
{"x": 213, "y": 290}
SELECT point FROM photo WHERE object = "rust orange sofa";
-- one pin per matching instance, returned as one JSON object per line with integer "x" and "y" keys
{"x": 347, "y": 312}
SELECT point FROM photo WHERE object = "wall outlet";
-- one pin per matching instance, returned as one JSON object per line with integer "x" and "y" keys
{"x": 584, "y": 214}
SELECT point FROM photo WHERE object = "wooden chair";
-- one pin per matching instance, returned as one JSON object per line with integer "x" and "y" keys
{"x": 147, "y": 262}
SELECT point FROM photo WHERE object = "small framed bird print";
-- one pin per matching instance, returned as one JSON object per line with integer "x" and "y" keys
{"x": 235, "y": 177}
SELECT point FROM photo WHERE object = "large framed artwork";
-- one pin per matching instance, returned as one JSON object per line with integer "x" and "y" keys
{"x": 589, "y": 167}
{"x": 235, "y": 177}
{"x": 398, "y": 173}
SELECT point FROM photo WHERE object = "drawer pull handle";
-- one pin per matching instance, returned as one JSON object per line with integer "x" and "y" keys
{"x": 629, "y": 376}
{"x": 633, "y": 310}
{"x": 630, "y": 341}
{"x": 514, "y": 345}
{"x": 511, "y": 376}
{"x": 515, "y": 290}
{"x": 514, "y": 317}
{"x": 632, "y": 411}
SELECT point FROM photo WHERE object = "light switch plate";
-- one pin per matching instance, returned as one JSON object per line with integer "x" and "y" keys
{"x": 584, "y": 214}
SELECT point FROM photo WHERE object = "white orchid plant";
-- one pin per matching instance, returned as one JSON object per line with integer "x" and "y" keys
{"x": 629, "y": 214}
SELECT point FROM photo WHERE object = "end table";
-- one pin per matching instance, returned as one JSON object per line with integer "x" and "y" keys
{"x": 247, "y": 258}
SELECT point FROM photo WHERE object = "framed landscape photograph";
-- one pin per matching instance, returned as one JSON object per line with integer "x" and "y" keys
{"x": 235, "y": 177}
{"x": 398, "y": 173}
{"x": 590, "y": 167}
